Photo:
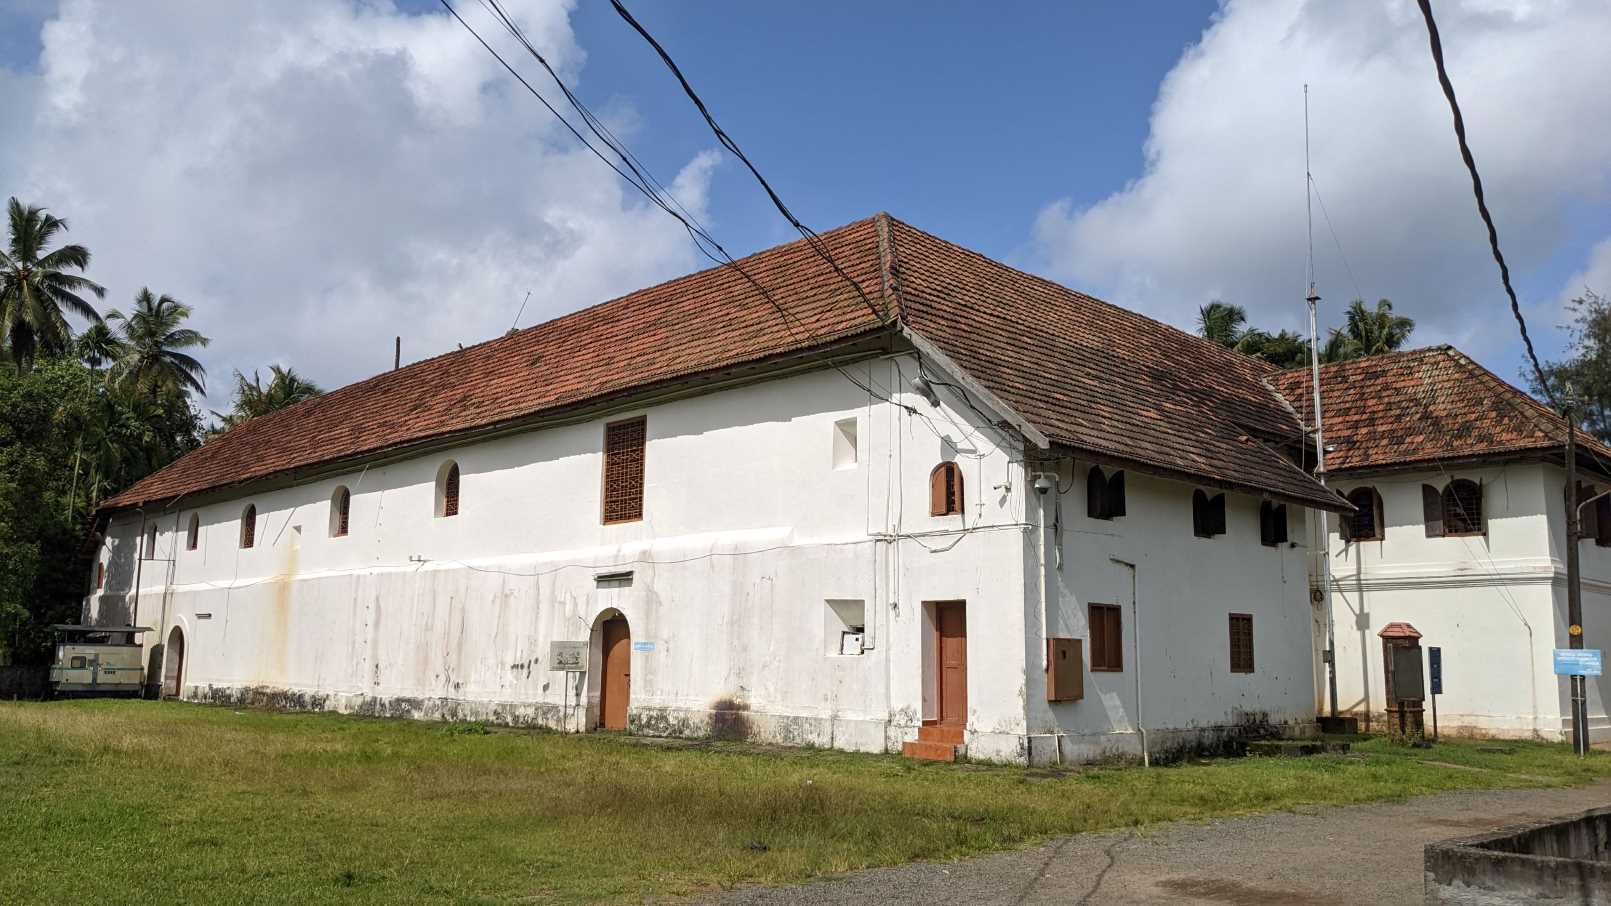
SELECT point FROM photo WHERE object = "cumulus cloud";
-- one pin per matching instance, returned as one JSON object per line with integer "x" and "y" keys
{"x": 1218, "y": 210}
{"x": 315, "y": 177}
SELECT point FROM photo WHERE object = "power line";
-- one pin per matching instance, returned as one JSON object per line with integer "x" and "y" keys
{"x": 1358, "y": 293}
{"x": 1482, "y": 204}
{"x": 811, "y": 237}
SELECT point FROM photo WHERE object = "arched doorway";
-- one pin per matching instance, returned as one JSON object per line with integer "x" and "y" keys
{"x": 615, "y": 682}
{"x": 173, "y": 665}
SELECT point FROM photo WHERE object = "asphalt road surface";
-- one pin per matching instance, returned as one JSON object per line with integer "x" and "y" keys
{"x": 1317, "y": 857}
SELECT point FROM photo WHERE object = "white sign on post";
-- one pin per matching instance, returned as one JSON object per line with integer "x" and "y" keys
{"x": 569, "y": 657}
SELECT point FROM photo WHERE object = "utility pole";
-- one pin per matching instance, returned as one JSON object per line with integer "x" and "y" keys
{"x": 1574, "y": 581}
{"x": 397, "y": 354}
{"x": 1320, "y": 434}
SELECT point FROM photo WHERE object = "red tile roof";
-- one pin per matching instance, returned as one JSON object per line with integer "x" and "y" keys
{"x": 1423, "y": 406}
{"x": 1094, "y": 378}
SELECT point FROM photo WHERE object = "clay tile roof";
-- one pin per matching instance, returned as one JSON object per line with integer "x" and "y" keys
{"x": 1397, "y": 630}
{"x": 1094, "y": 378}
{"x": 1423, "y": 406}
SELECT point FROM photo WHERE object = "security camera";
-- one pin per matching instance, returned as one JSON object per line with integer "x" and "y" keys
{"x": 1043, "y": 483}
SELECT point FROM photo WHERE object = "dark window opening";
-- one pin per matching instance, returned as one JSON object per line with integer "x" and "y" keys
{"x": 341, "y": 516}
{"x": 1107, "y": 638}
{"x": 249, "y": 526}
{"x": 1367, "y": 522}
{"x": 450, "y": 491}
{"x": 945, "y": 490}
{"x": 1207, "y": 514}
{"x": 1104, "y": 494}
{"x": 623, "y": 470}
{"x": 1462, "y": 508}
{"x": 1241, "y": 643}
{"x": 1272, "y": 523}
{"x": 193, "y": 534}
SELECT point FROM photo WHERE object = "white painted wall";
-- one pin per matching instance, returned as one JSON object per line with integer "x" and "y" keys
{"x": 1495, "y": 604}
{"x": 754, "y": 522}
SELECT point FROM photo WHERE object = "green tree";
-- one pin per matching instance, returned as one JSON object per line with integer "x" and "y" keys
{"x": 253, "y": 398}
{"x": 1283, "y": 349}
{"x": 1367, "y": 332}
{"x": 1222, "y": 323}
{"x": 154, "y": 361}
{"x": 98, "y": 346}
{"x": 36, "y": 286}
{"x": 1586, "y": 371}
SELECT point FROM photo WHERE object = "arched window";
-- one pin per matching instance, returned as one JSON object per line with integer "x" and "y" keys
{"x": 1456, "y": 510}
{"x": 1104, "y": 494}
{"x": 1272, "y": 523}
{"x": 340, "y": 509}
{"x": 193, "y": 533}
{"x": 447, "y": 489}
{"x": 249, "y": 525}
{"x": 945, "y": 490}
{"x": 1367, "y": 522}
{"x": 1207, "y": 514}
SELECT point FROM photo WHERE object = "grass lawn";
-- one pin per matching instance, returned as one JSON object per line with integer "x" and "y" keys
{"x": 119, "y": 802}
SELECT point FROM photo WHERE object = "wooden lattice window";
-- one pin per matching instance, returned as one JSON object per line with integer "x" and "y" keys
{"x": 623, "y": 470}
{"x": 1462, "y": 508}
{"x": 249, "y": 526}
{"x": 447, "y": 491}
{"x": 945, "y": 490}
{"x": 1241, "y": 643}
{"x": 340, "y": 512}
{"x": 193, "y": 532}
{"x": 1107, "y": 638}
{"x": 1367, "y": 521}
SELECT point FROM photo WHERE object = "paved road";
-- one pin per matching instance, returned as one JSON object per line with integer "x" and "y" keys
{"x": 1320, "y": 857}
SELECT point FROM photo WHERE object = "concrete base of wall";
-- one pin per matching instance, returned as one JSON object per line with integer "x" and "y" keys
{"x": 1162, "y": 745}
{"x": 1547, "y": 729}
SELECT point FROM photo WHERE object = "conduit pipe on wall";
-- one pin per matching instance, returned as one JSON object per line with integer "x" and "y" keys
{"x": 1135, "y": 635}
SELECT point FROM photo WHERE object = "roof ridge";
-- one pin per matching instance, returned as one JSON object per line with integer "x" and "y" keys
{"x": 1377, "y": 357}
{"x": 890, "y": 269}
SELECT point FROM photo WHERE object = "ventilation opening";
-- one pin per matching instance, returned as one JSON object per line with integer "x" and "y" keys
{"x": 846, "y": 627}
{"x": 844, "y": 444}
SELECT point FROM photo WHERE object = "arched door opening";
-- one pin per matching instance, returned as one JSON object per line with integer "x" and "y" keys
{"x": 615, "y": 685}
{"x": 173, "y": 665}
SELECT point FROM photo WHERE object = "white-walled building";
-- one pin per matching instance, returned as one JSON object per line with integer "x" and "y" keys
{"x": 1460, "y": 531}
{"x": 806, "y": 515}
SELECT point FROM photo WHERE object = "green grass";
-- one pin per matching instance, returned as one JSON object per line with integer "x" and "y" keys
{"x": 121, "y": 802}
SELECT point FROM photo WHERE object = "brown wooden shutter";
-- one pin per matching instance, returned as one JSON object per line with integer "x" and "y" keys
{"x": 249, "y": 526}
{"x": 1107, "y": 637}
{"x": 1432, "y": 510}
{"x": 945, "y": 490}
{"x": 623, "y": 470}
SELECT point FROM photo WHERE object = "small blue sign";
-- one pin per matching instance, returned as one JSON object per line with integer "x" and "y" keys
{"x": 1577, "y": 662}
{"x": 649, "y": 646}
{"x": 1434, "y": 659}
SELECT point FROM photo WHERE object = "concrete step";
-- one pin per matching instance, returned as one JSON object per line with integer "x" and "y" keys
{"x": 924, "y": 750}
{"x": 949, "y": 734}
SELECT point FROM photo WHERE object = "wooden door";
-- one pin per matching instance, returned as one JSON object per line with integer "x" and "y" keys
{"x": 951, "y": 650}
{"x": 616, "y": 689}
{"x": 173, "y": 665}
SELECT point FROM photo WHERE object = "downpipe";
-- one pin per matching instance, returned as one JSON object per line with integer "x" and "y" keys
{"x": 1135, "y": 637}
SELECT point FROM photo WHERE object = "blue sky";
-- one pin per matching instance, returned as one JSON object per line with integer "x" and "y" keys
{"x": 315, "y": 176}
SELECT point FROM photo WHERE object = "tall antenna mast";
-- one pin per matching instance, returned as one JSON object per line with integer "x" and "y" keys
{"x": 1313, "y": 300}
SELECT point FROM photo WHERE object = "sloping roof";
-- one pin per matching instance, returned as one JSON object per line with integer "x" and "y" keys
{"x": 1423, "y": 406}
{"x": 1092, "y": 377}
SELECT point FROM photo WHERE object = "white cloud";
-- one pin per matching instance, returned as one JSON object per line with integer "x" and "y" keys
{"x": 315, "y": 177}
{"x": 1218, "y": 211}
{"x": 1594, "y": 277}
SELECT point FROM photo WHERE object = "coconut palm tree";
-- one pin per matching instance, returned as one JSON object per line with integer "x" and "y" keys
{"x": 253, "y": 398}
{"x": 98, "y": 346}
{"x": 36, "y": 286}
{"x": 1222, "y": 323}
{"x": 154, "y": 360}
{"x": 1367, "y": 332}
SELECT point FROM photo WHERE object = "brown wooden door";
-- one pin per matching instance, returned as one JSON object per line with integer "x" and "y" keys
{"x": 616, "y": 689}
{"x": 173, "y": 665}
{"x": 951, "y": 646}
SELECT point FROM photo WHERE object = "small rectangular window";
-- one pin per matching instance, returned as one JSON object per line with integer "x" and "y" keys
{"x": 1107, "y": 638}
{"x": 1241, "y": 643}
{"x": 844, "y": 443}
{"x": 846, "y": 626}
{"x": 623, "y": 470}
{"x": 1272, "y": 524}
{"x": 151, "y": 542}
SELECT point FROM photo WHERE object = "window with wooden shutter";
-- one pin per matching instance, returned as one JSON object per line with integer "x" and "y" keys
{"x": 249, "y": 526}
{"x": 340, "y": 512}
{"x": 1432, "y": 511}
{"x": 1462, "y": 508}
{"x": 1272, "y": 523}
{"x": 1104, "y": 494}
{"x": 1241, "y": 643}
{"x": 1207, "y": 514}
{"x": 1107, "y": 638}
{"x": 1366, "y": 522}
{"x": 447, "y": 497}
{"x": 623, "y": 470}
{"x": 193, "y": 533}
{"x": 1114, "y": 499}
{"x": 945, "y": 490}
